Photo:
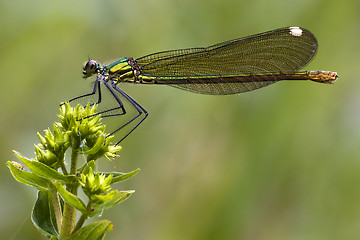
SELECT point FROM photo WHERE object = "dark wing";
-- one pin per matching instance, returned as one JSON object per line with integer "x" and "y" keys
{"x": 282, "y": 50}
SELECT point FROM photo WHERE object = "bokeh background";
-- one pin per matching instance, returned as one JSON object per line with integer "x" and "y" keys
{"x": 281, "y": 162}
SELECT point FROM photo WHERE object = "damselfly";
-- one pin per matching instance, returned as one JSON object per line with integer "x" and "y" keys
{"x": 231, "y": 67}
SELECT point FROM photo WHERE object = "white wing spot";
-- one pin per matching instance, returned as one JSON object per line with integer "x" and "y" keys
{"x": 296, "y": 31}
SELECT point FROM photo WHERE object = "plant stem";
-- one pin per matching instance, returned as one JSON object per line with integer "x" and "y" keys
{"x": 57, "y": 208}
{"x": 82, "y": 218}
{"x": 69, "y": 214}
{"x": 63, "y": 168}
{"x": 74, "y": 156}
{"x": 79, "y": 223}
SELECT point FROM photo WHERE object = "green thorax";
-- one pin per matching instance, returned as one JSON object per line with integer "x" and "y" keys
{"x": 119, "y": 71}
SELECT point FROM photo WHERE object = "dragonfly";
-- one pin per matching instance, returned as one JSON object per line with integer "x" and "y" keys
{"x": 230, "y": 67}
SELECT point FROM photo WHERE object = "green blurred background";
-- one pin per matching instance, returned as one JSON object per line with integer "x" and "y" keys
{"x": 282, "y": 162}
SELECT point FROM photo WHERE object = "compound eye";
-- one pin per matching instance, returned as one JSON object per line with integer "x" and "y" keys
{"x": 90, "y": 68}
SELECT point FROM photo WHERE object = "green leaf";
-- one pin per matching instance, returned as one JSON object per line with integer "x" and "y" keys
{"x": 29, "y": 178}
{"x": 89, "y": 165}
{"x": 105, "y": 197}
{"x": 46, "y": 171}
{"x": 120, "y": 176}
{"x": 42, "y": 139}
{"x": 94, "y": 231}
{"x": 97, "y": 146}
{"x": 70, "y": 198}
{"x": 43, "y": 215}
{"x": 114, "y": 197}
